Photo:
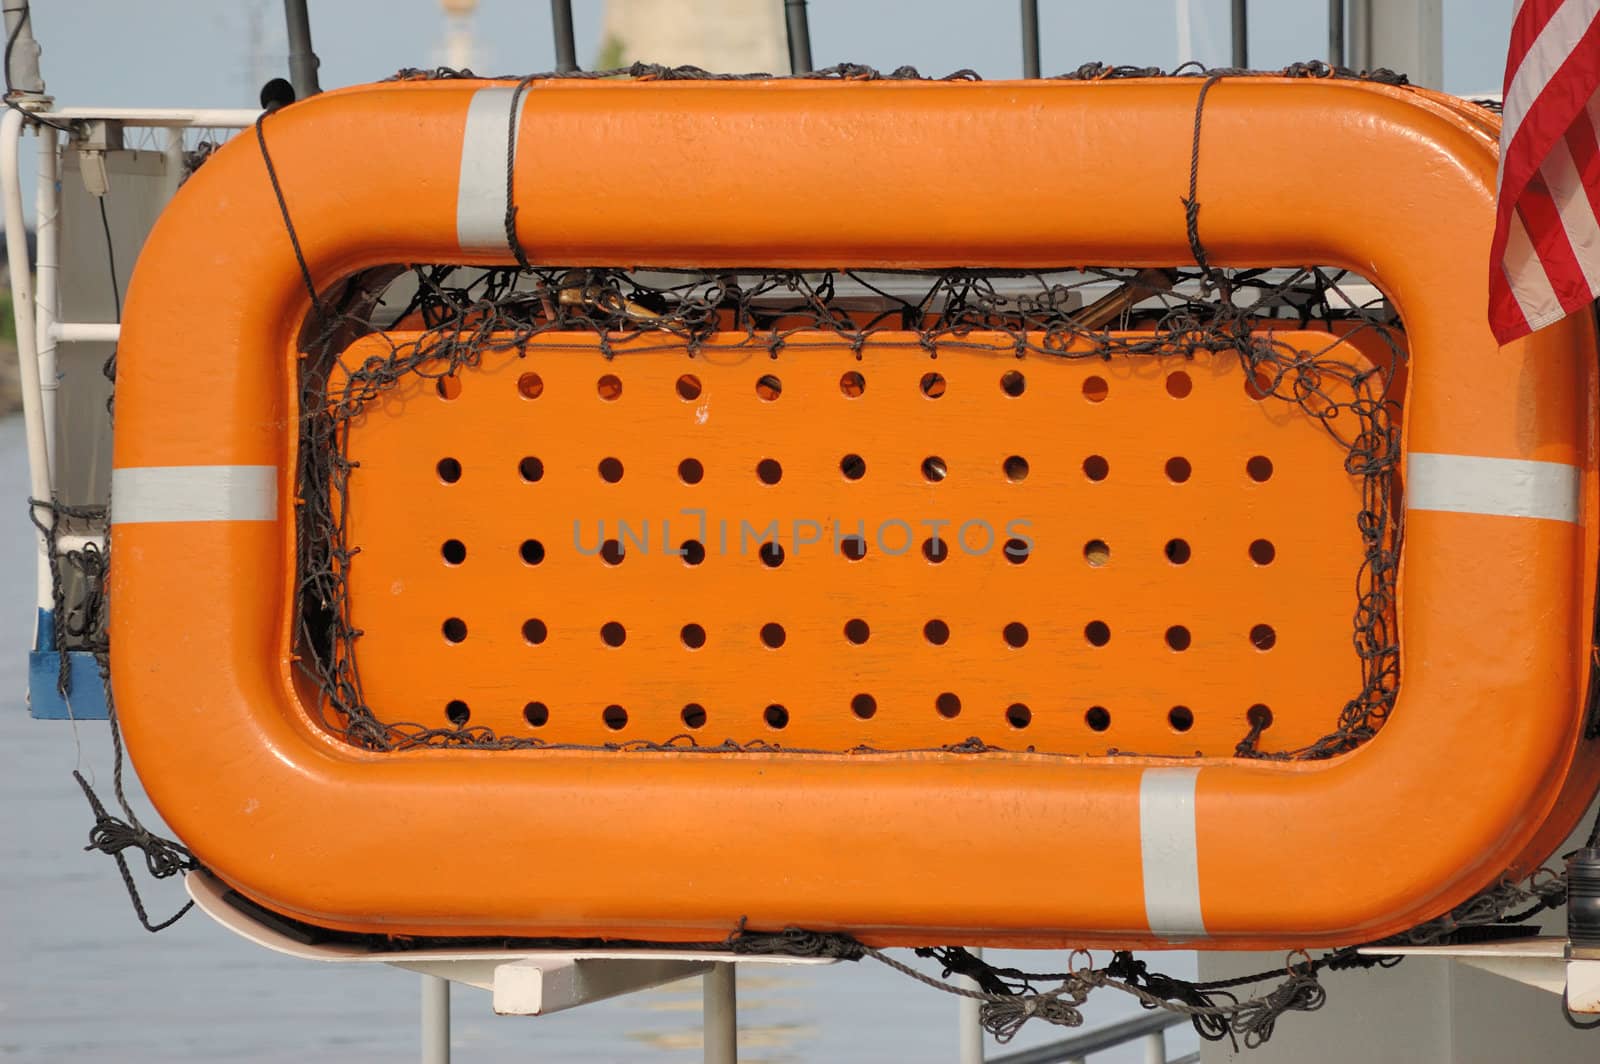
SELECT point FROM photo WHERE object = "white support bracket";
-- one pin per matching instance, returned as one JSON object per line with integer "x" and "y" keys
{"x": 550, "y": 982}
{"x": 1544, "y": 962}
{"x": 522, "y": 982}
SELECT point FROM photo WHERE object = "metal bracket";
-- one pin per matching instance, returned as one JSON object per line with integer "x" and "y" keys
{"x": 92, "y": 139}
{"x": 1545, "y": 962}
{"x": 522, "y": 983}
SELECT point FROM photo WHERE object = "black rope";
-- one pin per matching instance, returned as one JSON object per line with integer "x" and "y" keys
{"x": 283, "y": 208}
{"x": 511, "y": 174}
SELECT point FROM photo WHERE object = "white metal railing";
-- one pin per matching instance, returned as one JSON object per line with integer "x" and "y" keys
{"x": 40, "y": 331}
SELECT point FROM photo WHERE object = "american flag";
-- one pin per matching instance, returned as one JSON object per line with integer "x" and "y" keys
{"x": 1545, "y": 259}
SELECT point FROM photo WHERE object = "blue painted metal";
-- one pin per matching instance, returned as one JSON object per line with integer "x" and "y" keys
{"x": 45, "y": 702}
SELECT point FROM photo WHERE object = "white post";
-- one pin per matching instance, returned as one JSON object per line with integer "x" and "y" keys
{"x": 27, "y": 340}
{"x": 720, "y": 1015}
{"x": 435, "y": 1020}
{"x": 971, "y": 1030}
{"x": 47, "y": 268}
{"x": 1155, "y": 1048}
{"x": 172, "y": 149}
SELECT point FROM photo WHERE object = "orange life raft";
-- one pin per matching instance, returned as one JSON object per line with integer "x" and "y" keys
{"x": 1479, "y": 772}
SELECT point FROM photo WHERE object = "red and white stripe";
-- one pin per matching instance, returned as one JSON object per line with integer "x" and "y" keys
{"x": 1545, "y": 259}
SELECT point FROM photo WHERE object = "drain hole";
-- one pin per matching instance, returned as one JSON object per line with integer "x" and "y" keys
{"x": 853, "y": 466}
{"x": 693, "y": 715}
{"x": 1018, "y": 715}
{"x": 1181, "y": 718}
{"x": 448, "y": 387}
{"x": 769, "y": 387}
{"x": 1013, "y": 383}
{"x": 611, "y": 552}
{"x": 457, "y": 712}
{"x": 1263, "y": 637}
{"x": 1258, "y": 384}
{"x": 690, "y": 471}
{"x": 1178, "y": 470}
{"x": 692, "y": 551}
{"x": 1017, "y": 551}
{"x": 535, "y": 631}
{"x": 864, "y": 706}
{"x": 1095, "y": 389}
{"x": 609, "y": 387}
{"x": 1259, "y": 468}
{"x": 615, "y": 716}
{"x": 1178, "y": 637}
{"x": 453, "y": 551}
{"x": 530, "y": 386}
{"x": 768, "y": 471}
{"x": 1179, "y": 385}
{"x": 771, "y": 555}
{"x": 852, "y": 384}
{"x": 532, "y": 470}
{"x": 857, "y": 631}
{"x": 613, "y": 634}
{"x": 693, "y": 636}
{"x": 1177, "y": 551}
{"x": 1016, "y": 634}
{"x": 853, "y": 547}
{"x": 1016, "y": 468}
{"x": 936, "y": 632}
{"x": 1259, "y": 716}
{"x": 537, "y": 714}
{"x": 934, "y": 469}
{"x": 933, "y": 385}
{"x": 935, "y": 550}
{"x": 948, "y": 705}
{"x": 1097, "y": 552}
{"x": 455, "y": 629}
{"x": 610, "y": 470}
{"x": 1096, "y": 467}
{"x": 449, "y": 470}
{"x": 1262, "y": 551}
{"x": 1098, "y": 633}
{"x": 532, "y": 551}
{"x": 688, "y": 386}
{"x": 773, "y": 635}
{"x": 776, "y": 716}
{"x": 1098, "y": 718}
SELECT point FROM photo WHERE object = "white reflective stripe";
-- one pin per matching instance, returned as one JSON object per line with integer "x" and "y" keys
{"x": 1499, "y": 487}
{"x": 1170, "y": 852}
{"x": 145, "y": 494}
{"x": 481, "y": 196}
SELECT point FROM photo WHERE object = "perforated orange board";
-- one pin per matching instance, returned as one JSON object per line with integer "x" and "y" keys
{"x": 1191, "y": 549}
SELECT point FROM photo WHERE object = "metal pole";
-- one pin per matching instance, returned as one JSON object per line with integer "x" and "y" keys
{"x": 1030, "y": 38}
{"x": 23, "y": 74}
{"x": 799, "y": 36}
{"x": 1241, "y": 34}
{"x": 720, "y": 1016}
{"x": 1358, "y": 42}
{"x": 1336, "y": 33}
{"x": 435, "y": 1020}
{"x": 303, "y": 61}
{"x": 47, "y": 269}
{"x": 561, "y": 26}
{"x": 971, "y": 1030}
{"x": 27, "y": 341}
{"x": 1155, "y": 1048}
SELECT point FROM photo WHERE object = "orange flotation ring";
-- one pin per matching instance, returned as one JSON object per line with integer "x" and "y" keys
{"x": 1479, "y": 770}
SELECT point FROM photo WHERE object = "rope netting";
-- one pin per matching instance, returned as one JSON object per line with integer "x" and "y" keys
{"x": 462, "y": 318}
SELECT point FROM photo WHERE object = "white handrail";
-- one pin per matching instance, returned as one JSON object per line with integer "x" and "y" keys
{"x": 156, "y": 117}
{"x": 27, "y": 342}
